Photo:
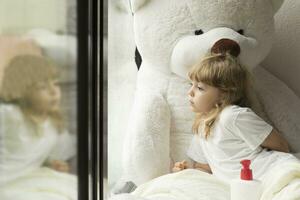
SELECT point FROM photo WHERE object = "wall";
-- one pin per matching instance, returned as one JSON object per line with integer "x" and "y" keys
{"x": 17, "y": 16}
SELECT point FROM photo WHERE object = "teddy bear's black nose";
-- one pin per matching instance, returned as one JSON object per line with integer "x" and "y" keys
{"x": 226, "y": 45}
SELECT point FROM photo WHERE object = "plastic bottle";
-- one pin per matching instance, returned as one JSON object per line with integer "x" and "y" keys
{"x": 246, "y": 188}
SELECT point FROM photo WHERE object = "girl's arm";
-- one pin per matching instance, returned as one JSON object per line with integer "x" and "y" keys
{"x": 202, "y": 167}
{"x": 275, "y": 141}
{"x": 178, "y": 166}
{"x": 58, "y": 165}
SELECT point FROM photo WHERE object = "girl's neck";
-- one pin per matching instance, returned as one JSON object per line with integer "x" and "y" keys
{"x": 36, "y": 116}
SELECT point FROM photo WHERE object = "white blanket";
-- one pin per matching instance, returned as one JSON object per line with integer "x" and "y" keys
{"x": 189, "y": 184}
{"x": 281, "y": 183}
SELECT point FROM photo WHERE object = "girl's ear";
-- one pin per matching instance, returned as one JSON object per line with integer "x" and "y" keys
{"x": 135, "y": 5}
{"x": 222, "y": 97}
{"x": 276, "y": 4}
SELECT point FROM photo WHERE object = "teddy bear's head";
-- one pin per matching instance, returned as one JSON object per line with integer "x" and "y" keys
{"x": 171, "y": 35}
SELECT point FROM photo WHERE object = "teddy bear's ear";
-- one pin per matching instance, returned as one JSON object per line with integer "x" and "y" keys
{"x": 122, "y": 5}
{"x": 276, "y": 4}
{"x": 137, "y": 4}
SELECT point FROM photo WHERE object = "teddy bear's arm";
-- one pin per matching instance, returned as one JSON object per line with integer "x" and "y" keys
{"x": 146, "y": 146}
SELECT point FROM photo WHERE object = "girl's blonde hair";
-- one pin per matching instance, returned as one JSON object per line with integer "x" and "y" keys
{"x": 21, "y": 75}
{"x": 227, "y": 74}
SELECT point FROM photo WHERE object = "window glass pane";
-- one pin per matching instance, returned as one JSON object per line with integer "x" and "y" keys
{"x": 38, "y": 93}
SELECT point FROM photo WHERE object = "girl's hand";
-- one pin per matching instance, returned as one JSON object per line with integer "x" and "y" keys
{"x": 178, "y": 166}
{"x": 202, "y": 167}
{"x": 59, "y": 165}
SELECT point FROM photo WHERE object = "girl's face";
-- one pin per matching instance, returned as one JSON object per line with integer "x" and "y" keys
{"x": 203, "y": 97}
{"x": 44, "y": 97}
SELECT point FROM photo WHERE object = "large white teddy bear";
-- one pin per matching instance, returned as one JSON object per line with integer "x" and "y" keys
{"x": 171, "y": 35}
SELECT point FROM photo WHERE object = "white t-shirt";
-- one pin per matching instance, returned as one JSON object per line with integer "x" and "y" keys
{"x": 237, "y": 134}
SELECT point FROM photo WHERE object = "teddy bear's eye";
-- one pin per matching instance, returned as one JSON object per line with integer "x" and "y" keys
{"x": 198, "y": 32}
{"x": 241, "y": 31}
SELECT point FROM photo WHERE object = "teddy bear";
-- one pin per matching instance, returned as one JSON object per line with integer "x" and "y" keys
{"x": 171, "y": 36}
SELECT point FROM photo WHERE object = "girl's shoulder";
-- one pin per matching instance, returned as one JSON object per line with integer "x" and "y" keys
{"x": 231, "y": 112}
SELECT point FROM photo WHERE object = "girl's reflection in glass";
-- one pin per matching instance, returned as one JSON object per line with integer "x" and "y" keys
{"x": 34, "y": 144}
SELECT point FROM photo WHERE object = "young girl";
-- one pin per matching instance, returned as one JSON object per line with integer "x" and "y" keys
{"x": 32, "y": 132}
{"x": 227, "y": 130}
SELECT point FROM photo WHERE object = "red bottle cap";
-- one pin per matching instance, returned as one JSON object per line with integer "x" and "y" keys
{"x": 246, "y": 172}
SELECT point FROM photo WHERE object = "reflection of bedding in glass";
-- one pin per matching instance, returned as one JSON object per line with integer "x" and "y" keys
{"x": 24, "y": 149}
